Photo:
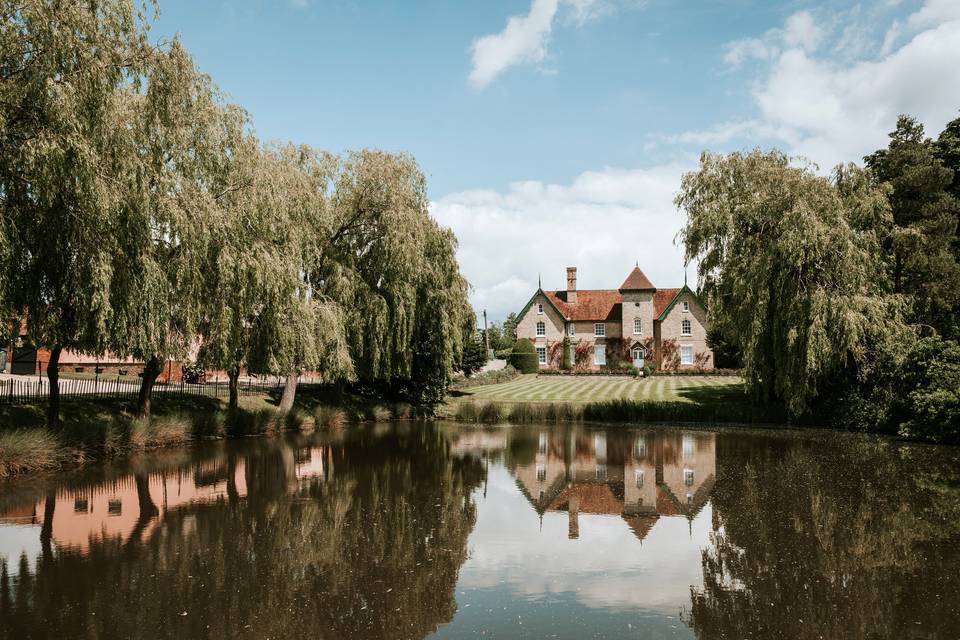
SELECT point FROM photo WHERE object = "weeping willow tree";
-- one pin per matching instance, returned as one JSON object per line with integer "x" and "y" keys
{"x": 181, "y": 142}
{"x": 65, "y": 67}
{"x": 792, "y": 267}
{"x": 259, "y": 311}
{"x": 394, "y": 272}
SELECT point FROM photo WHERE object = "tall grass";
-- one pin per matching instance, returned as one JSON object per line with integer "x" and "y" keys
{"x": 29, "y": 451}
{"x": 617, "y": 411}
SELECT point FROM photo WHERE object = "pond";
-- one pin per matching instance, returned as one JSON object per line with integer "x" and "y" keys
{"x": 445, "y": 531}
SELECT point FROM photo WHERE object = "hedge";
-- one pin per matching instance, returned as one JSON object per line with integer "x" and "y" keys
{"x": 524, "y": 357}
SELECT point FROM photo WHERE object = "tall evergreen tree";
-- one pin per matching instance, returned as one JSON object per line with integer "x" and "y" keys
{"x": 922, "y": 239}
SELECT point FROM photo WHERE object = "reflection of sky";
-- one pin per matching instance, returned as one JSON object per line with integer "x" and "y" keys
{"x": 17, "y": 540}
{"x": 607, "y": 568}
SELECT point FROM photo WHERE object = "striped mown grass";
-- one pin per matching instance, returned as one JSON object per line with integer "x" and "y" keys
{"x": 574, "y": 389}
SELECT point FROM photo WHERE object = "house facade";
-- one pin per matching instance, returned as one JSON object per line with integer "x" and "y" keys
{"x": 609, "y": 328}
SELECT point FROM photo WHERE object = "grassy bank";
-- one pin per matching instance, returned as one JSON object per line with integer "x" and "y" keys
{"x": 105, "y": 428}
{"x": 532, "y": 399}
{"x": 625, "y": 411}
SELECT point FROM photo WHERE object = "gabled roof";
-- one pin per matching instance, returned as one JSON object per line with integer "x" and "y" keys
{"x": 662, "y": 299}
{"x": 540, "y": 292}
{"x": 661, "y": 314}
{"x": 592, "y": 304}
{"x": 637, "y": 281}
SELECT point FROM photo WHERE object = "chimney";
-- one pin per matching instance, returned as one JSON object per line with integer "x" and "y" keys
{"x": 572, "y": 285}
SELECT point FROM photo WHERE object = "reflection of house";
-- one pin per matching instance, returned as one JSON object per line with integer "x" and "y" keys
{"x": 134, "y": 504}
{"x": 640, "y": 477}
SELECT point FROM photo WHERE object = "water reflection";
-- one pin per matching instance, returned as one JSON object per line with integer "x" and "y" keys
{"x": 408, "y": 531}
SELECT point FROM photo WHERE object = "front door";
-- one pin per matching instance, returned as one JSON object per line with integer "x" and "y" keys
{"x": 638, "y": 357}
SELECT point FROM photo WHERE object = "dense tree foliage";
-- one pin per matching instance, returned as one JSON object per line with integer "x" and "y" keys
{"x": 791, "y": 265}
{"x": 921, "y": 241}
{"x": 141, "y": 216}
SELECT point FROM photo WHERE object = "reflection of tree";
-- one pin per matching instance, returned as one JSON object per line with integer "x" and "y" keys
{"x": 373, "y": 550}
{"x": 854, "y": 543}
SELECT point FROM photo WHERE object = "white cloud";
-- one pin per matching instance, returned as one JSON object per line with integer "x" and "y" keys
{"x": 524, "y": 39}
{"x": 800, "y": 30}
{"x": 603, "y": 222}
{"x": 831, "y": 110}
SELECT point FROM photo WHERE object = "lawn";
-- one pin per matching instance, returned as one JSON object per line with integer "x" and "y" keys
{"x": 533, "y": 388}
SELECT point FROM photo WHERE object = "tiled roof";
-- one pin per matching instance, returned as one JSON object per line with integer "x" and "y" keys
{"x": 661, "y": 299}
{"x": 592, "y": 304}
{"x": 593, "y": 498}
{"x": 636, "y": 280}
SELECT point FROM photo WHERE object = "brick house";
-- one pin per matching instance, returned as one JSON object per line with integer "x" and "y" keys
{"x": 607, "y": 328}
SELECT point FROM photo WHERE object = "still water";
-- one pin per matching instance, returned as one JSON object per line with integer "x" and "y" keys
{"x": 420, "y": 530}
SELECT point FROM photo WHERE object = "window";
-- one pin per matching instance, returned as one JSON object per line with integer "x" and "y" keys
{"x": 601, "y": 472}
{"x": 541, "y": 330}
{"x": 688, "y": 447}
{"x": 541, "y": 471}
{"x": 540, "y": 308}
{"x": 599, "y": 355}
{"x": 640, "y": 448}
{"x": 686, "y": 307}
{"x": 637, "y": 326}
{"x": 686, "y": 328}
{"x": 686, "y": 354}
{"x": 571, "y": 329}
{"x": 599, "y": 329}
{"x": 542, "y": 444}
{"x": 638, "y": 478}
{"x": 541, "y": 355}
{"x": 688, "y": 477}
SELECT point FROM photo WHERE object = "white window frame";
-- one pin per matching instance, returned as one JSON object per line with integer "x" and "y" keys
{"x": 541, "y": 355}
{"x": 688, "y": 477}
{"x": 638, "y": 478}
{"x": 686, "y": 306}
{"x": 541, "y": 472}
{"x": 571, "y": 329}
{"x": 599, "y": 330}
{"x": 540, "y": 308}
{"x": 637, "y": 326}
{"x": 600, "y": 355}
{"x": 541, "y": 329}
{"x": 686, "y": 354}
{"x": 686, "y": 328}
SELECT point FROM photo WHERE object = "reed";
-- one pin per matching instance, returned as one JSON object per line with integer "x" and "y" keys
{"x": 29, "y": 451}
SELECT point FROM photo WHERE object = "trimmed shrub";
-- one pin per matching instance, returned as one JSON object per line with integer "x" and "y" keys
{"x": 567, "y": 363}
{"x": 524, "y": 357}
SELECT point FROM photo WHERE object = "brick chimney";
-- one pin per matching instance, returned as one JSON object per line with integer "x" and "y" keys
{"x": 572, "y": 285}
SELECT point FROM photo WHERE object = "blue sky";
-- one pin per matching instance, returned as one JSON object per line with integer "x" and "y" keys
{"x": 555, "y": 132}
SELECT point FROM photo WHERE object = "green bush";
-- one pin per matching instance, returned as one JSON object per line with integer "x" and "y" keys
{"x": 502, "y": 354}
{"x": 649, "y": 369}
{"x": 931, "y": 380}
{"x": 524, "y": 357}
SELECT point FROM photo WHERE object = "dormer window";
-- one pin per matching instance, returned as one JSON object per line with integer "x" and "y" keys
{"x": 637, "y": 326}
{"x": 541, "y": 329}
{"x": 686, "y": 328}
{"x": 540, "y": 308}
{"x": 686, "y": 306}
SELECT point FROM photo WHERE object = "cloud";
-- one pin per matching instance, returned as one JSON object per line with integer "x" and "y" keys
{"x": 602, "y": 221}
{"x": 800, "y": 30}
{"x": 524, "y": 39}
{"x": 831, "y": 110}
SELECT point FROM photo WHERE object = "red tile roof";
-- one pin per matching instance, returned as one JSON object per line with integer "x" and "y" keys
{"x": 662, "y": 299}
{"x": 592, "y": 304}
{"x": 636, "y": 280}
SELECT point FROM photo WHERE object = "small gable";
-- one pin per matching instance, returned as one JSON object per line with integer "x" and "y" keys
{"x": 636, "y": 281}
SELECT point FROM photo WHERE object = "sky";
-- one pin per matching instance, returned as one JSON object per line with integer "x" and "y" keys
{"x": 554, "y": 133}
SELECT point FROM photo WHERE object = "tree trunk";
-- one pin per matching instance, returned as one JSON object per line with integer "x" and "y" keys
{"x": 289, "y": 392}
{"x": 150, "y": 373}
{"x": 53, "y": 376}
{"x": 46, "y": 529}
{"x": 234, "y": 376}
